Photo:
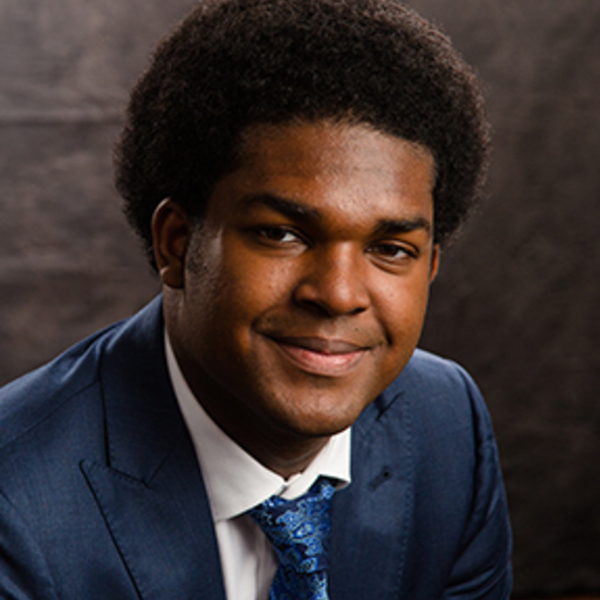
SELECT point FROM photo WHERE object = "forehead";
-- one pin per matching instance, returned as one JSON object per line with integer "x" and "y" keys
{"x": 333, "y": 166}
{"x": 327, "y": 146}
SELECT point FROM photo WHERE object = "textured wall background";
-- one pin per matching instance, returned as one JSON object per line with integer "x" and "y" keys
{"x": 516, "y": 299}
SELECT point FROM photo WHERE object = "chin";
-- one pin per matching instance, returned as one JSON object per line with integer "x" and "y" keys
{"x": 322, "y": 421}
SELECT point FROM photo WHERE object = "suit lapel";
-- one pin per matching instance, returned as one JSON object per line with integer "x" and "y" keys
{"x": 151, "y": 493}
{"x": 371, "y": 518}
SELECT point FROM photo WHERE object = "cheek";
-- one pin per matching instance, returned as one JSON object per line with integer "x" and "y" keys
{"x": 254, "y": 276}
{"x": 252, "y": 285}
{"x": 403, "y": 308}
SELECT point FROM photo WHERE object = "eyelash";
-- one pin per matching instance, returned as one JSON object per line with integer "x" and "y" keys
{"x": 276, "y": 233}
{"x": 396, "y": 249}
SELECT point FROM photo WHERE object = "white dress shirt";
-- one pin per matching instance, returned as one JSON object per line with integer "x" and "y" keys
{"x": 235, "y": 482}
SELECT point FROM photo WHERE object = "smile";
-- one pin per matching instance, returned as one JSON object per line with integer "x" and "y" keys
{"x": 318, "y": 356}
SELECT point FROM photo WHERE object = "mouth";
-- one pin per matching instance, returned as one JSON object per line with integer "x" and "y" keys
{"x": 321, "y": 356}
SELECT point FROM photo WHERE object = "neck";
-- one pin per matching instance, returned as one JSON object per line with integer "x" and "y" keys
{"x": 279, "y": 451}
{"x": 284, "y": 458}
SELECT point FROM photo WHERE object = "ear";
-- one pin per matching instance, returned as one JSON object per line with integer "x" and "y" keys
{"x": 170, "y": 235}
{"x": 435, "y": 262}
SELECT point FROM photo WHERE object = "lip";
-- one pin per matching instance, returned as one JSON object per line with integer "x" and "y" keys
{"x": 321, "y": 356}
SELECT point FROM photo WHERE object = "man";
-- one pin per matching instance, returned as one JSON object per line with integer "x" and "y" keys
{"x": 293, "y": 167}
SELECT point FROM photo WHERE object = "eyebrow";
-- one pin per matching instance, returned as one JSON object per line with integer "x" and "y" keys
{"x": 296, "y": 210}
{"x": 289, "y": 208}
{"x": 396, "y": 226}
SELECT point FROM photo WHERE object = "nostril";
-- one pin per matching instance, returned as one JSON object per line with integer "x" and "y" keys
{"x": 315, "y": 306}
{"x": 331, "y": 305}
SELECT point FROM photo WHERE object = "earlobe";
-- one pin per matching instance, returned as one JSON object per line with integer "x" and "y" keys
{"x": 170, "y": 234}
{"x": 435, "y": 262}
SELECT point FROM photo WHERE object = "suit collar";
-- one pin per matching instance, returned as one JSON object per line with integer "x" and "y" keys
{"x": 151, "y": 492}
{"x": 142, "y": 418}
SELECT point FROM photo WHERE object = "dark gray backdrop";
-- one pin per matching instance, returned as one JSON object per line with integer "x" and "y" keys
{"x": 515, "y": 301}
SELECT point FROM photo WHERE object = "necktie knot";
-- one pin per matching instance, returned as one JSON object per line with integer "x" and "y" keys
{"x": 299, "y": 531}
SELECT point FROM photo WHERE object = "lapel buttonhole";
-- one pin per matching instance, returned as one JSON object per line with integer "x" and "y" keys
{"x": 385, "y": 475}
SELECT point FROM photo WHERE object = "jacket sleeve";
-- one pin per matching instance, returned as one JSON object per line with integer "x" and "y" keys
{"x": 24, "y": 574}
{"x": 482, "y": 569}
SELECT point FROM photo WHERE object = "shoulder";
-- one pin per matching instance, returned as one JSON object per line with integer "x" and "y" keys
{"x": 50, "y": 420}
{"x": 436, "y": 405}
{"x": 432, "y": 430}
{"x": 439, "y": 390}
{"x": 48, "y": 397}
{"x": 456, "y": 462}
{"x": 432, "y": 373}
{"x": 28, "y": 402}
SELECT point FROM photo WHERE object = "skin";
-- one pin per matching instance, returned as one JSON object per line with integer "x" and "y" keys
{"x": 302, "y": 295}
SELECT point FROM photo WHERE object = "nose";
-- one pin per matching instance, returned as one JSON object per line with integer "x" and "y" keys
{"x": 334, "y": 282}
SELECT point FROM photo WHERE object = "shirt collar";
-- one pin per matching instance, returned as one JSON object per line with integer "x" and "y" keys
{"x": 234, "y": 480}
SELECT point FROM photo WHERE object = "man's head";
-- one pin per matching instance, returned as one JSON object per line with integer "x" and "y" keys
{"x": 235, "y": 63}
{"x": 294, "y": 165}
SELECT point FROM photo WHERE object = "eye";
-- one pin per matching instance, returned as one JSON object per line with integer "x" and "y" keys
{"x": 392, "y": 252}
{"x": 274, "y": 234}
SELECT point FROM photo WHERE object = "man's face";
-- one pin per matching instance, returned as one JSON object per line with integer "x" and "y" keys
{"x": 304, "y": 292}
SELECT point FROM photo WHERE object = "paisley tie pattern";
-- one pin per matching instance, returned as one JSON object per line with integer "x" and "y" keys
{"x": 299, "y": 531}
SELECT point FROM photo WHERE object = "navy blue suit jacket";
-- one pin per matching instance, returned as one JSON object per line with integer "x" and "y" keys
{"x": 101, "y": 496}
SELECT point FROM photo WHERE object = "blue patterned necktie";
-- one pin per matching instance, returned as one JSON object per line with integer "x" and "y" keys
{"x": 299, "y": 531}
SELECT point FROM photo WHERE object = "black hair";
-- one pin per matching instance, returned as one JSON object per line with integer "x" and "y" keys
{"x": 235, "y": 63}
